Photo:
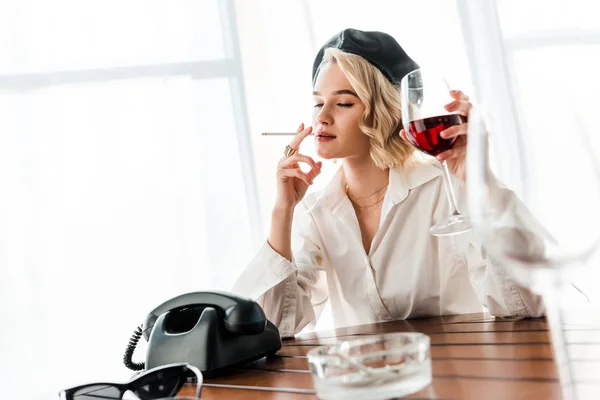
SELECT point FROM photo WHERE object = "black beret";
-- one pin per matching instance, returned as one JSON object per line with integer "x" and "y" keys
{"x": 378, "y": 48}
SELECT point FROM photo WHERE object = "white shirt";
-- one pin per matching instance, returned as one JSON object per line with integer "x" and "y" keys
{"x": 407, "y": 272}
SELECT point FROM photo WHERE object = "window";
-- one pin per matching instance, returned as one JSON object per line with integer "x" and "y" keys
{"x": 126, "y": 175}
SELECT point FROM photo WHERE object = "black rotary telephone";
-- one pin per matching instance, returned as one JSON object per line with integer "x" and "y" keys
{"x": 213, "y": 331}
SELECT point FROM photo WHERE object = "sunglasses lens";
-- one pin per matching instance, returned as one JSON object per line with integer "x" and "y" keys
{"x": 95, "y": 392}
{"x": 161, "y": 383}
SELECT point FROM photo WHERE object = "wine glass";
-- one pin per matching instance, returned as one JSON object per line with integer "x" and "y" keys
{"x": 424, "y": 95}
{"x": 533, "y": 200}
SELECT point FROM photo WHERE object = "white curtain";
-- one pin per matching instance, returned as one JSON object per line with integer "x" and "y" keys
{"x": 125, "y": 178}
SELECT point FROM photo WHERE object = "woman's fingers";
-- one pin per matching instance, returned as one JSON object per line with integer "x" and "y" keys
{"x": 403, "y": 135}
{"x": 454, "y": 131}
{"x": 294, "y": 173}
{"x": 288, "y": 166}
{"x": 459, "y": 150}
{"x": 292, "y": 161}
{"x": 460, "y": 106}
{"x": 312, "y": 174}
{"x": 302, "y": 133}
{"x": 461, "y": 103}
{"x": 459, "y": 95}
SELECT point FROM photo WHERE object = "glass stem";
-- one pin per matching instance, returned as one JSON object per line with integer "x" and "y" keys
{"x": 449, "y": 189}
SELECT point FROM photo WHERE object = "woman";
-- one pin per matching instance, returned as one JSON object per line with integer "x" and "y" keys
{"x": 363, "y": 243}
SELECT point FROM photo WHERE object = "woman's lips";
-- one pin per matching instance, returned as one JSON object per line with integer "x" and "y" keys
{"x": 323, "y": 137}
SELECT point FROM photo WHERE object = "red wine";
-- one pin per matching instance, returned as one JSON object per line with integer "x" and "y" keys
{"x": 424, "y": 134}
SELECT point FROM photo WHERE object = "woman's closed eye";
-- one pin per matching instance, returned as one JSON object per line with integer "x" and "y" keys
{"x": 346, "y": 105}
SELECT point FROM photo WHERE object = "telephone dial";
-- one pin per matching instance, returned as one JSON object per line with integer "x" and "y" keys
{"x": 213, "y": 331}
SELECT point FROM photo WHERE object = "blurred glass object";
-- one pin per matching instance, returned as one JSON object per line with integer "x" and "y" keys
{"x": 539, "y": 226}
{"x": 533, "y": 174}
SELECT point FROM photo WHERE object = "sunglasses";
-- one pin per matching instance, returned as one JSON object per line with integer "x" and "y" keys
{"x": 154, "y": 384}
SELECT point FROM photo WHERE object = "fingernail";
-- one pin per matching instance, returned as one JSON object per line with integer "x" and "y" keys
{"x": 301, "y": 126}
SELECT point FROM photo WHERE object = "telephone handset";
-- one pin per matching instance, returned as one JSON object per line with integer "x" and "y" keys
{"x": 211, "y": 330}
{"x": 240, "y": 315}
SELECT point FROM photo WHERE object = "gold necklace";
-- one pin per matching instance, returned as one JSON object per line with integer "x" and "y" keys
{"x": 360, "y": 198}
{"x": 369, "y": 205}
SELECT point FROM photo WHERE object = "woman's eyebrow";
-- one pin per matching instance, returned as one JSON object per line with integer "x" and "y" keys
{"x": 338, "y": 92}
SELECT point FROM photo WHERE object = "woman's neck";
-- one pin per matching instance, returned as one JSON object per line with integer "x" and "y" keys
{"x": 364, "y": 178}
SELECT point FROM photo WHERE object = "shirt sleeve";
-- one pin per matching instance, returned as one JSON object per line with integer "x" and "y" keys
{"x": 494, "y": 282}
{"x": 497, "y": 289}
{"x": 292, "y": 294}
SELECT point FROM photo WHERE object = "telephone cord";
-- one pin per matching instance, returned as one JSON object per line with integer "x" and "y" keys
{"x": 127, "y": 357}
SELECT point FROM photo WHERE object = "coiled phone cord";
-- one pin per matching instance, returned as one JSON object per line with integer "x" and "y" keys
{"x": 127, "y": 357}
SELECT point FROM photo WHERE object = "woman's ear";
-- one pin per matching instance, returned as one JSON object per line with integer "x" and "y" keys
{"x": 398, "y": 129}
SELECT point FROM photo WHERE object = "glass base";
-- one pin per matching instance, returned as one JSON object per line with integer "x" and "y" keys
{"x": 455, "y": 225}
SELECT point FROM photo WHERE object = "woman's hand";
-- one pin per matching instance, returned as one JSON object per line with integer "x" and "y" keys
{"x": 457, "y": 156}
{"x": 292, "y": 182}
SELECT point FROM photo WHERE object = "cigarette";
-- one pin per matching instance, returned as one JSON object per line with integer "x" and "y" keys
{"x": 280, "y": 133}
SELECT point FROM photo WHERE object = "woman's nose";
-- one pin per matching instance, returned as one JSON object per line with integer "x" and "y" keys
{"x": 324, "y": 116}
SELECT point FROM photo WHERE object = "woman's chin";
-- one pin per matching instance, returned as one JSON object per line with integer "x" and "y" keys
{"x": 326, "y": 155}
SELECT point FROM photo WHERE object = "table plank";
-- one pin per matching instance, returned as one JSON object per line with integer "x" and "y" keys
{"x": 412, "y": 325}
{"x": 477, "y": 389}
{"x": 441, "y": 370}
{"x": 285, "y": 363}
{"x": 496, "y": 369}
{"x": 494, "y": 351}
{"x": 441, "y": 388}
{"x": 513, "y": 352}
{"x": 254, "y": 377}
{"x": 506, "y": 326}
{"x": 512, "y": 369}
{"x": 457, "y": 338}
{"x": 213, "y": 393}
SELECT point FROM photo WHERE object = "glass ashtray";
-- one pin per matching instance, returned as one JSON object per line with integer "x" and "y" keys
{"x": 370, "y": 368}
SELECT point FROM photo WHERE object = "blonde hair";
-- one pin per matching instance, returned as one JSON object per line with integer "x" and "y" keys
{"x": 381, "y": 120}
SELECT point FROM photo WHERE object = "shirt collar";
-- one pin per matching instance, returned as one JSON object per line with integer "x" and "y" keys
{"x": 414, "y": 174}
{"x": 402, "y": 179}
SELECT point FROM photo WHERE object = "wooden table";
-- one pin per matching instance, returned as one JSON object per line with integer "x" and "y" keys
{"x": 474, "y": 356}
